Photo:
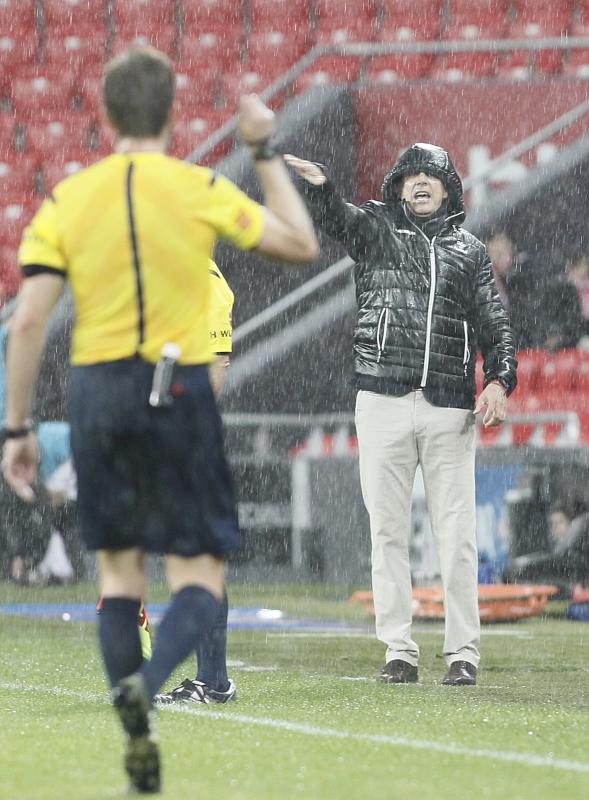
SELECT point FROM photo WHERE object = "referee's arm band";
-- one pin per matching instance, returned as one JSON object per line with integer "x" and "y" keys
{"x": 30, "y": 270}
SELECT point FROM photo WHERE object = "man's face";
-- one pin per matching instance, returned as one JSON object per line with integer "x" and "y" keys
{"x": 423, "y": 193}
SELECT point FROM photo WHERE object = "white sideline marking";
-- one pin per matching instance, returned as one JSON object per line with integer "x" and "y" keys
{"x": 355, "y": 634}
{"x": 526, "y": 759}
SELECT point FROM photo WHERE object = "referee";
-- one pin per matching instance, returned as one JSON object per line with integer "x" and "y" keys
{"x": 133, "y": 235}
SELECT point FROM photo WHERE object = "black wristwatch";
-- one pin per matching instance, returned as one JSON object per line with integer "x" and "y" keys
{"x": 263, "y": 150}
{"x": 19, "y": 433}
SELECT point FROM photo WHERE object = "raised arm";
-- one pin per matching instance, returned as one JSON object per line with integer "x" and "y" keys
{"x": 288, "y": 230}
{"x": 346, "y": 223}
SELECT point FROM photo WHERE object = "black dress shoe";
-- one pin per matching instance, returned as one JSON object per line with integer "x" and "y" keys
{"x": 461, "y": 673}
{"x": 397, "y": 671}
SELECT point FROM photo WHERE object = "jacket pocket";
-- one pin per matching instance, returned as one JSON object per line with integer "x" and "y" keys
{"x": 466, "y": 352}
{"x": 382, "y": 330}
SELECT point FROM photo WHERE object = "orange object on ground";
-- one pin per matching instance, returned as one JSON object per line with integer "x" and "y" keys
{"x": 497, "y": 602}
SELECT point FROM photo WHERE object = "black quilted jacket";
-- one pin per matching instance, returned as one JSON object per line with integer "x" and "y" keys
{"x": 426, "y": 296}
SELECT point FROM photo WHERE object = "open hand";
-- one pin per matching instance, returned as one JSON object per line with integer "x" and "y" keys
{"x": 306, "y": 169}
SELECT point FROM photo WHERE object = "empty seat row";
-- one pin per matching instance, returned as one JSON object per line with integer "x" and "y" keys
{"x": 549, "y": 375}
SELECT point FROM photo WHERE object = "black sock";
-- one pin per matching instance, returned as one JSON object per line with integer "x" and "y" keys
{"x": 211, "y": 652}
{"x": 119, "y": 637}
{"x": 190, "y": 616}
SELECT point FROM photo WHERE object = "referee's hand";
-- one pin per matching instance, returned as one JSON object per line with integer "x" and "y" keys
{"x": 256, "y": 121}
{"x": 19, "y": 465}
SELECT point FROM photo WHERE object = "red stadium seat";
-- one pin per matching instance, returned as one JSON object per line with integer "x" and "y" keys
{"x": 187, "y": 136}
{"x": 473, "y": 28}
{"x": 421, "y": 12}
{"x": 326, "y": 10}
{"x": 329, "y": 70}
{"x": 15, "y": 214}
{"x": 341, "y": 31}
{"x": 465, "y": 66}
{"x": 215, "y": 12}
{"x": 18, "y": 15}
{"x": 64, "y": 135}
{"x": 245, "y": 82}
{"x": 558, "y": 372}
{"x": 83, "y": 53}
{"x": 17, "y": 176}
{"x": 69, "y": 17}
{"x": 583, "y": 374}
{"x": 10, "y": 273}
{"x": 164, "y": 38}
{"x": 88, "y": 93}
{"x": 143, "y": 15}
{"x": 529, "y": 365}
{"x": 213, "y": 46}
{"x": 271, "y": 45}
{"x": 19, "y": 49}
{"x": 577, "y": 64}
{"x": 409, "y": 29}
{"x": 290, "y": 14}
{"x": 540, "y": 26}
{"x": 530, "y": 8}
{"x": 42, "y": 95}
{"x": 195, "y": 96}
{"x": 516, "y": 65}
{"x": 393, "y": 68}
{"x": 546, "y": 62}
{"x": 478, "y": 7}
{"x": 8, "y": 134}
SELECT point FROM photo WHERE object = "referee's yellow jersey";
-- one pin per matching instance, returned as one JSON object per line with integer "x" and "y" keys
{"x": 221, "y": 324}
{"x": 134, "y": 235}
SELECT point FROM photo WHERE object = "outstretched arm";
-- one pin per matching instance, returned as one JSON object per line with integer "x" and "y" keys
{"x": 346, "y": 223}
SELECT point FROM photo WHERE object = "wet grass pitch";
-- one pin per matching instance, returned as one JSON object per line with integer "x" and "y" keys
{"x": 310, "y": 721}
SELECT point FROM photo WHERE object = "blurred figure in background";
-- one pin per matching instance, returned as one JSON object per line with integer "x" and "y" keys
{"x": 566, "y": 563}
{"x": 517, "y": 288}
{"x": 577, "y": 274}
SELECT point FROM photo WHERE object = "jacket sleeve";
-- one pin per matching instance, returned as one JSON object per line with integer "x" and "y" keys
{"x": 495, "y": 336}
{"x": 348, "y": 224}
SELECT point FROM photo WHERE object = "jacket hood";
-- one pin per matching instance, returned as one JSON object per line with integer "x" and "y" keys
{"x": 432, "y": 160}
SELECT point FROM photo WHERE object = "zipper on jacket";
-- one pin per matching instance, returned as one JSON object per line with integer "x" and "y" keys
{"x": 430, "y": 311}
{"x": 381, "y": 338}
{"x": 466, "y": 356}
{"x": 136, "y": 258}
{"x": 430, "y": 303}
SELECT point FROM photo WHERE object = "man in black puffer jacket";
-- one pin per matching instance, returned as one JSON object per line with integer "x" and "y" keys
{"x": 426, "y": 303}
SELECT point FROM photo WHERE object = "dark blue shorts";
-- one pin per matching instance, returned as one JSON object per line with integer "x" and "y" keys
{"x": 154, "y": 478}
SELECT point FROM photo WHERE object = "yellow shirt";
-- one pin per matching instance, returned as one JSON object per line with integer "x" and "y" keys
{"x": 221, "y": 325}
{"x": 134, "y": 235}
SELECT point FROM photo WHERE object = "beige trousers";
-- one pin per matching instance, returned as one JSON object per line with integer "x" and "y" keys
{"x": 395, "y": 434}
